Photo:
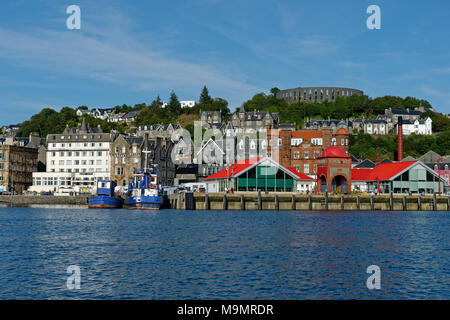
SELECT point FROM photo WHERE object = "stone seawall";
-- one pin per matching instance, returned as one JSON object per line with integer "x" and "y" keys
{"x": 24, "y": 201}
{"x": 289, "y": 201}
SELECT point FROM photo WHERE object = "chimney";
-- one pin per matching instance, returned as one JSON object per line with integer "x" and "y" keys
{"x": 400, "y": 139}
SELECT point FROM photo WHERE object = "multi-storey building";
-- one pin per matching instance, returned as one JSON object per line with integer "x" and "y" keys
{"x": 418, "y": 126}
{"x": 407, "y": 114}
{"x": 128, "y": 157}
{"x": 254, "y": 121}
{"x": 76, "y": 160}
{"x": 17, "y": 164}
{"x": 300, "y": 149}
{"x": 332, "y": 124}
{"x": 157, "y": 130}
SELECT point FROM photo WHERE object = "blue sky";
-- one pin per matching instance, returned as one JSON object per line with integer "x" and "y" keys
{"x": 128, "y": 52}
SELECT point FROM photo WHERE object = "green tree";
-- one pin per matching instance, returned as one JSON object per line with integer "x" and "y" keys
{"x": 174, "y": 105}
{"x": 205, "y": 98}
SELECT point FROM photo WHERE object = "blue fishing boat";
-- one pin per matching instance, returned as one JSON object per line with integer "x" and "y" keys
{"x": 144, "y": 192}
{"x": 105, "y": 199}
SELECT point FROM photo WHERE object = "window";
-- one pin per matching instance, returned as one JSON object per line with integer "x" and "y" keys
{"x": 123, "y": 150}
{"x": 61, "y": 153}
{"x": 296, "y": 154}
{"x": 306, "y": 168}
{"x": 134, "y": 149}
{"x": 61, "y": 162}
{"x": 99, "y": 153}
{"x": 306, "y": 154}
{"x": 99, "y": 162}
{"x": 91, "y": 162}
{"x": 117, "y": 149}
{"x": 69, "y": 162}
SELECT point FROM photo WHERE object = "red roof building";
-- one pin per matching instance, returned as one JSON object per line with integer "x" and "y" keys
{"x": 259, "y": 174}
{"x": 398, "y": 177}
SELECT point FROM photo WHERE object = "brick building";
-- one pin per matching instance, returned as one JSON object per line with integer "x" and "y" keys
{"x": 299, "y": 149}
{"x": 334, "y": 170}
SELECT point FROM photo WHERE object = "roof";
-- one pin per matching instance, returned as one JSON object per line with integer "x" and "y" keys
{"x": 334, "y": 152}
{"x": 430, "y": 157}
{"x": 300, "y": 175}
{"x": 410, "y": 112}
{"x": 408, "y": 158}
{"x": 239, "y": 167}
{"x": 307, "y": 134}
{"x": 360, "y": 174}
{"x": 234, "y": 169}
{"x": 388, "y": 170}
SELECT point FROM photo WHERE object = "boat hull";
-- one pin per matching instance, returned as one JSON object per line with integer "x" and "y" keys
{"x": 143, "y": 203}
{"x": 104, "y": 202}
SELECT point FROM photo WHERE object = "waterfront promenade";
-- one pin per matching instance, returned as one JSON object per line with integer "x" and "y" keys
{"x": 262, "y": 201}
{"x": 303, "y": 202}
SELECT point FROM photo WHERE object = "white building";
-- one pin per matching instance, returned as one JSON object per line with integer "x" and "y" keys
{"x": 418, "y": 126}
{"x": 188, "y": 104}
{"x": 76, "y": 160}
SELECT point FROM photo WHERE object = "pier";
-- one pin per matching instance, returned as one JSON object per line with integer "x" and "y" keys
{"x": 25, "y": 201}
{"x": 292, "y": 201}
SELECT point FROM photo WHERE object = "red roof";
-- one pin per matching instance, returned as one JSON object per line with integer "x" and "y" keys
{"x": 234, "y": 169}
{"x": 334, "y": 152}
{"x": 240, "y": 166}
{"x": 387, "y": 170}
{"x": 300, "y": 175}
{"x": 360, "y": 174}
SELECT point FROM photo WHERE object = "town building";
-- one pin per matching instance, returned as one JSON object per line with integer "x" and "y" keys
{"x": 76, "y": 159}
{"x": 334, "y": 170}
{"x": 407, "y": 114}
{"x": 417, "y": 126}
{"x": 117, "y": 117}
{"x": 401, "y": 177}
{"x": 187, "y": 104}
{"x": 332, "y": 124}
{"x": 17, "y": 164}
{"x": 210, "y": 117}
{"x": 316, "y": 94}
{"x": 253, "y": 121}
{"x": 128, "y": 157}
{"x": 300, "y": 149}
{"x": 259, "y": 174}
{"x": 157, "y": 130}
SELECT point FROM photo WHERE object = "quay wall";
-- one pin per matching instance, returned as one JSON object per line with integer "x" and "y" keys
{"x": 21, "y": 200}
{"x": 302, "y": 202}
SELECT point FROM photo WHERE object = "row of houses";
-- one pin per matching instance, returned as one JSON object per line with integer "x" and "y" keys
{"x": 381, "y": 124}
{"x": 111, "y": 115}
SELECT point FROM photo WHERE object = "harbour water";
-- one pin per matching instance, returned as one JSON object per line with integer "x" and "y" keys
{"x": 223, "y": 254}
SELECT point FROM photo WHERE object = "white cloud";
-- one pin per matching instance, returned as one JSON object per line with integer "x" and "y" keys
{"x": 117, "y": 58}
